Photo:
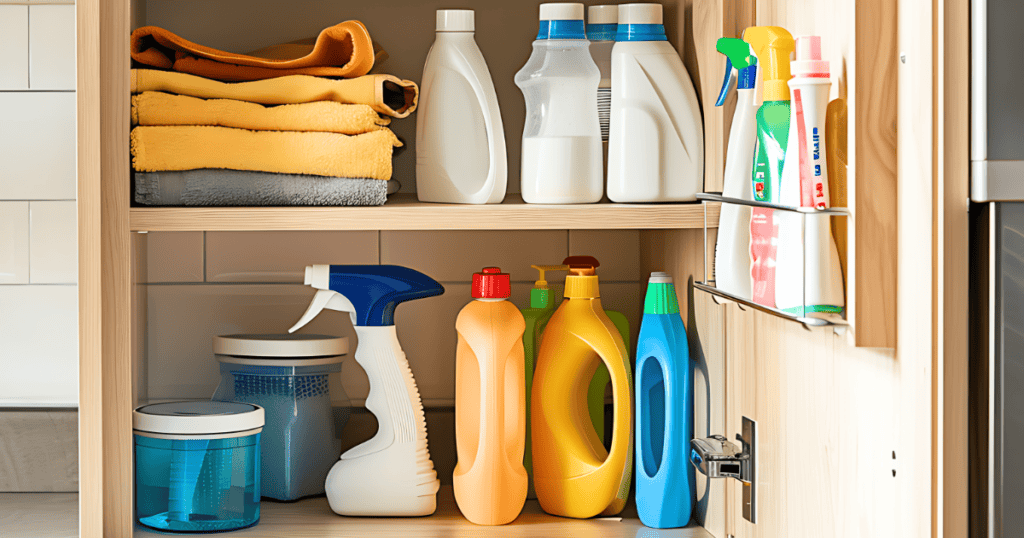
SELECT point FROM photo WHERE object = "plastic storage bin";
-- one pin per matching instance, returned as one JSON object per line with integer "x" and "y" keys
{"x": 287, "y": 375}
{"x": 197, "y": 466}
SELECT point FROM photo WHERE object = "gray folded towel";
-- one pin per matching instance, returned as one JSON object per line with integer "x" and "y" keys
{"x": 215, "y": 187}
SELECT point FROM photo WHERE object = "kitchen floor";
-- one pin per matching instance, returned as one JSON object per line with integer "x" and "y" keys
{"x": 39, "y": 515}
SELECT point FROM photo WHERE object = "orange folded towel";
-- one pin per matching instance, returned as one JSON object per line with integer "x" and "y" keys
{"x": 343, "y": 50}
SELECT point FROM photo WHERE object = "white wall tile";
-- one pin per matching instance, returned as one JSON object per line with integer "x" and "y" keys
{"x": 39, "y": 331}
{"x": 51, "y": 47}
{"x": 14, "y": 47}
{"x": 283, "y": 256}
{"x": 54, "y": 242}
{"x": 37, "y": 146}
{"x": 13, "y": 242}
{"x": 174, "y": 257}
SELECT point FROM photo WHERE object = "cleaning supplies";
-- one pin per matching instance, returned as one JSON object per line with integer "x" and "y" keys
{"x": 656, "y": 144}
{"x": 287, "y": 375}
{"x": 197, "y": 465}
{"x": 808, "y": 280}
{"x": 665, "y": 481}
{"x": 562, "y": 134}
{"x": 773, "y": 46}
{"x": 573, "y": 473}
{"x": 490, "y": 404}
{"x": 460, "y": 142}
{"x": 732, "y": 250}
{"x": 391, "y": 474}
{"x": 602, "y": 22}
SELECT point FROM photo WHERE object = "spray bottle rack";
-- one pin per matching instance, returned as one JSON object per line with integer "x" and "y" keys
{"x": 724, "y": 297}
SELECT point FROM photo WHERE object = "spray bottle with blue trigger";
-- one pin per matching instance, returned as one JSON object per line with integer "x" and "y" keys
{"x": 391, "y": 474}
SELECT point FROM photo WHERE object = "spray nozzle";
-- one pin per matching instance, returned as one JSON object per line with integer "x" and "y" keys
{"x": 739, "y": 55}
{"x": 772, "y": 45}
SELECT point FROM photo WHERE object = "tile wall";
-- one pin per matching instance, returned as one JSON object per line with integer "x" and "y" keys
{"x": 38, "y": 232}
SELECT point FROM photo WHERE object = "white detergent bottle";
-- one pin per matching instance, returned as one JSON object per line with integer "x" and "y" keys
{"x": 732, "y": 251}
{"x": 460, "y": 142}
{"x": 602, "y": 24}
{"x": 811, "y": 286}
{"x": 656, "y": 143}
{"x": 562, "y": 135}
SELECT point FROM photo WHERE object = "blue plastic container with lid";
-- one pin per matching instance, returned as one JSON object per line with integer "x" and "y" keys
{"x": 197, "y": 466}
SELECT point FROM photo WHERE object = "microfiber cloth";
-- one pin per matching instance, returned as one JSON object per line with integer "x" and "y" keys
{"x": 343, "y": 50}
{"x": 161, "y": 149}
{"x": 207, "y": 187}
{"x": 386, "y": 94}
{"x": 158, "y": 108}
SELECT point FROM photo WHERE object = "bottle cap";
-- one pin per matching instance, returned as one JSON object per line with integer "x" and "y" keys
{"x": 603, "y": 15}
{"x": 455, "y": 20}
{"x": 491, "y": 283}
{"x": 640, "y": 14}
{"x": 659, "y": 277}
{"x": 661, "y": 295}
{"x": 561, "y": 12}
{"x": 581, "y": 283}
{"x": 808, "y": 62}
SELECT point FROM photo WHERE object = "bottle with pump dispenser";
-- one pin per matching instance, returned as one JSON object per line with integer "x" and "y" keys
{"x": 665, "y": 481}
{"x": 574, "y": 475}
{"x": 490, "y": 404}
{"x": 656, "y": 141}
{"x": 773, "y": 45}
{"x": 562, "y": 136}
{"x": 460, "y": 142}
{"x": 808, "y": 281}
{"x": 732, "y": 250}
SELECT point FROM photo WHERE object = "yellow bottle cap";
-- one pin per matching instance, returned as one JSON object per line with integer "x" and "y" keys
{"x": 582, "y": 283}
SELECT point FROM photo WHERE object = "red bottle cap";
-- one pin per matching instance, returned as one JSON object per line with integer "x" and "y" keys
{"x": 491, "y": 283}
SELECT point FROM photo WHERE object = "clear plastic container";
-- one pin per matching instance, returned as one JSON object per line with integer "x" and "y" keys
{"x": 197, "y": 466}
{"x": 288, "y": 375}
{"x": 562, "y": 151}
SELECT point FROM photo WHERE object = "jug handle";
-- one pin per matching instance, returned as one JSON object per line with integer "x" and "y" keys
{"x": 481, "y": 98}
{"x": 622, "y": 432}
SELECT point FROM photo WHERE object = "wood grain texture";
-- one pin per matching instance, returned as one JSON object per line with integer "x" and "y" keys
{"x": 39, "y": 515}
{"x": 38, "y": 451}
{"x": 403, "y": 212}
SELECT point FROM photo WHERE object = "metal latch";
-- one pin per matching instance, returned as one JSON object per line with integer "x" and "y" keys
{"x": 716, "y": 457}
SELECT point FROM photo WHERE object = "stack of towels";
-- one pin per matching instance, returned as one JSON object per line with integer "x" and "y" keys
{"x": 294, "y": 124}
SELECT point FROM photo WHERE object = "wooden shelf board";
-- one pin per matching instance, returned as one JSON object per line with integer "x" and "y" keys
{"x": 404, "y": 212}
{"x": 312, "y": 518}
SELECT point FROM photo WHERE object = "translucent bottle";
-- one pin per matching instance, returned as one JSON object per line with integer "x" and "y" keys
{"x": 562, "y": 136}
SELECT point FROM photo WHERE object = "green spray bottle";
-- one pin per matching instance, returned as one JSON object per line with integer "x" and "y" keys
{"x": 772, "y": 45}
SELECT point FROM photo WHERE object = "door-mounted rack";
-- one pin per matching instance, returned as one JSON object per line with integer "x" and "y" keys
{"x": 722, "y": 296}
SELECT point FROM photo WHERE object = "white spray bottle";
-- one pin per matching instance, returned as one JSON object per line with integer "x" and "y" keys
{"x": 732, "y": 251}
{"x": 391, "y": 474}
{"x": 811, "y": 286}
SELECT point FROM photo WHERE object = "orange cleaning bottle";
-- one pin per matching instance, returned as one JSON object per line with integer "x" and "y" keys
{"x": 490, "y": 404}
{"x": 573, "y": 474}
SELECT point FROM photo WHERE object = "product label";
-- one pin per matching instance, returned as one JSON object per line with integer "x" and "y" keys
{"x": 769, "y": 157}
{"x": 812, "y": 188}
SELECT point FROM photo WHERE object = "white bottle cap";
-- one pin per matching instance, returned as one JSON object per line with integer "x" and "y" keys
{"x": 603, "y": 14}
{"x": 640, "y": 14}
{"x": 659, "y": 277}
{"x": 561, "y": 12}
{"x": 455, "y": 20}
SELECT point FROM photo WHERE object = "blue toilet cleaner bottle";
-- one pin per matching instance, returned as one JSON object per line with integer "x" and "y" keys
{"x": 665, "y": 482}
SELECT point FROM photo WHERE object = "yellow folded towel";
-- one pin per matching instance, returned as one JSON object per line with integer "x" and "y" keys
{"x": 158, "y": 149}
{"x": 158, "y": 108}
{"x": 384, "y": 93}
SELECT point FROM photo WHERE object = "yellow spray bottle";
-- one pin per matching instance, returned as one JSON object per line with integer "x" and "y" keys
{"x": 574, "y": 475}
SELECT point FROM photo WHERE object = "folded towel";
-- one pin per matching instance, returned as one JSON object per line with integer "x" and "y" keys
{"x": 237, "y": 188}
{"x": 158, "y": 108}
{"x": 160, "y": 149}
{"x": 384, "y": 93}
{"x": 343, "y": 50}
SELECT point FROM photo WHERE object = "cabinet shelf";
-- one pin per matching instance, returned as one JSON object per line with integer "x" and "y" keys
{"x": 405, "y": 212}
{"x": 313, "y": 517}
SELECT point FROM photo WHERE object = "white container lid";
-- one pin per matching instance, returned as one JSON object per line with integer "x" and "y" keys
{"x": 561, "y": 12}
{"x": 659, "y": 277}
{"x": 640, "y": 14}
{"x": 280, "y": 346}
{"x": 454, "y": 20}
{"x": 198, "y": 418}
{"x": 603, "y": 14}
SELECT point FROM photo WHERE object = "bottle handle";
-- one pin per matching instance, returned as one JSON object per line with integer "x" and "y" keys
{"x": 622, "y": 430}
{"x": 488, "y": 126}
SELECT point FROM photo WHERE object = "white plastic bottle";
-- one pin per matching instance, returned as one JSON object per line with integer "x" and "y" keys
{"x": 732, "y": 250}
{"x": 602, "y": 22}
{"x": 805, "y": 184}
{"x": 562, "y": 135}
{"x": 460, "y": 142}
{"x": 656, "y": 144}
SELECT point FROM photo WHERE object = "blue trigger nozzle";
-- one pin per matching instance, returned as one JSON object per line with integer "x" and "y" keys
{"x": 726, "y": 84}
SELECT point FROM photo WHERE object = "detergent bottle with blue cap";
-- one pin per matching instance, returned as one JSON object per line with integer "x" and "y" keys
{"x": 391, "y": 474}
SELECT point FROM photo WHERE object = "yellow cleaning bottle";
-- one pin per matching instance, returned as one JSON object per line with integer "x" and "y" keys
{"x": 574, "y": 475}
